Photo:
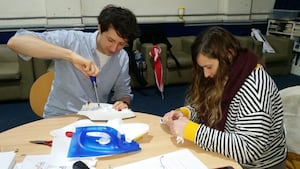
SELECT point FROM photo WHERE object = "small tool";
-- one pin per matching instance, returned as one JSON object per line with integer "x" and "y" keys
{"x": 68, "y": 134}
{"x": 43, "y": 142}
{"x": 93, "y": 80}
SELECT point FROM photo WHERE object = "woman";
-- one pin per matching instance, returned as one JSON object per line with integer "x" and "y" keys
{"x": 233, "y": 106}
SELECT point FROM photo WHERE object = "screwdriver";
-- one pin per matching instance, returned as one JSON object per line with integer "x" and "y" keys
{"x": 93, "y": 80}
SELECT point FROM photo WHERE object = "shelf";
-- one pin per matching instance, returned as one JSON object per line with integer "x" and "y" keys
{"x": 284, "y": 27}
{"x": 280, "y": 33}
{"x": 296, "y": 34}
{"x": 290, "y": 29}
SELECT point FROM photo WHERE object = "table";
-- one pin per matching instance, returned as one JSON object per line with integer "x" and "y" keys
{"x": 156, "y": 142}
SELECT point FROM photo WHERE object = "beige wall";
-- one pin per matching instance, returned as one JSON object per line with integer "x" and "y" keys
{"x": 60, "y": 13}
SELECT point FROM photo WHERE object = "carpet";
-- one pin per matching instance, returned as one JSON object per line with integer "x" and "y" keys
{"x": 147, "y": 100}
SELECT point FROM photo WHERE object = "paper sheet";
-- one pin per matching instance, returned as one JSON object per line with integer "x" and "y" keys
{"x": 7, "y": 159}
{"x": 181, "y": 159}
{"x": 104, "y": 112}
{"x": 46, "y": 161}
{"x": 40, "y": 162}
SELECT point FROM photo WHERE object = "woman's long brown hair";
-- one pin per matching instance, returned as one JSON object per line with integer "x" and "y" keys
{"x": 205, "y": 94}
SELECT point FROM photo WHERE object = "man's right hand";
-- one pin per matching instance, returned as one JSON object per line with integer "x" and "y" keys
{"x": 86, "y": 66}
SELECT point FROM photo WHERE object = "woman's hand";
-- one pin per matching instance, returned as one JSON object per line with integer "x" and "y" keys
{"x": 175, "y": 121}
{"x": 177, "y": 128}
{"x": 171, "y": 116}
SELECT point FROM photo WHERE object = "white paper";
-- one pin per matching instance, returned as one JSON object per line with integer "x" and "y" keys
{"x": 40, "y": 162}
{"x": 181, "y": 159}
{"x": 104, "y": 112}
{"x": 131, "y": 131}
{"x": 7, "y": 159}
{"x": 46, "y": 161}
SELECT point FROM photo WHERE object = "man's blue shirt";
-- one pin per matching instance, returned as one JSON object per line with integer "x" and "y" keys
{"x": 70, "y": 88}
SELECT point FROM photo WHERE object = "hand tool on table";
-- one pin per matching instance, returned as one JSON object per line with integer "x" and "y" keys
{"x": 42, "y": 142}
{"x": 49, "y": 142}
{"x": 93, "y": 80}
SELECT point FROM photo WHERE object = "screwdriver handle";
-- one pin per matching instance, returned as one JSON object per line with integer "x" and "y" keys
{"x": 93, "y": 80}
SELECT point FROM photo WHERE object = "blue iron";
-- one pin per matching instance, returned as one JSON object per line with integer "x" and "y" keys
{"x": 94, "y": 141}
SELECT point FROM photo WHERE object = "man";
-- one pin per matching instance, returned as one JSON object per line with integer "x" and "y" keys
{"x": 79, "y": 55}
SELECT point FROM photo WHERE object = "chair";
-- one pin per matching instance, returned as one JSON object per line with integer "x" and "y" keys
{"x": 291, "y": 99}
{"x": 280, "y": 62}
{"x": 39, "y": 92}
{"x": 181, "y": 48}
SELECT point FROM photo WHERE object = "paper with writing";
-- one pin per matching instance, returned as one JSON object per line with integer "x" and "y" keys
{"x": 181, "y": 159}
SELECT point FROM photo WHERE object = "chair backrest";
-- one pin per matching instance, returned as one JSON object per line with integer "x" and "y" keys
{"x": 39, "y": 92}
{"x": 291, "y": 99}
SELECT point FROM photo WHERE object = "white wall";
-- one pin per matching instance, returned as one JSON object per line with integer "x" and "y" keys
{"x": 22, "y": 14}
{"x": 60, "y": 13}
{"x": 261, "y": 8}
{"x": 154, "y": 10}
{"x": 58, "y": 10}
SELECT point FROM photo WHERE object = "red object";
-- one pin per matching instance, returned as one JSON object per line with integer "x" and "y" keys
{"x": 158, "y": 69}
{"x": 69, "y": 133}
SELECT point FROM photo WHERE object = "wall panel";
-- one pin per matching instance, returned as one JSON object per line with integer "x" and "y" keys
{"x": 17, "y": 13}
{"x": 63, "y": 12}
{"x": 80, "y": 13}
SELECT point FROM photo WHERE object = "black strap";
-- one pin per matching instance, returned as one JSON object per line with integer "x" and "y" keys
{"x": 156, "y": 35}
{"x": 133, "y": 69}
{"x": 174, "y": 58}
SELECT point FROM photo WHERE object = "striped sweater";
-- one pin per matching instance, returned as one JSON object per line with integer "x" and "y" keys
{"x": 254, "y": 132}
